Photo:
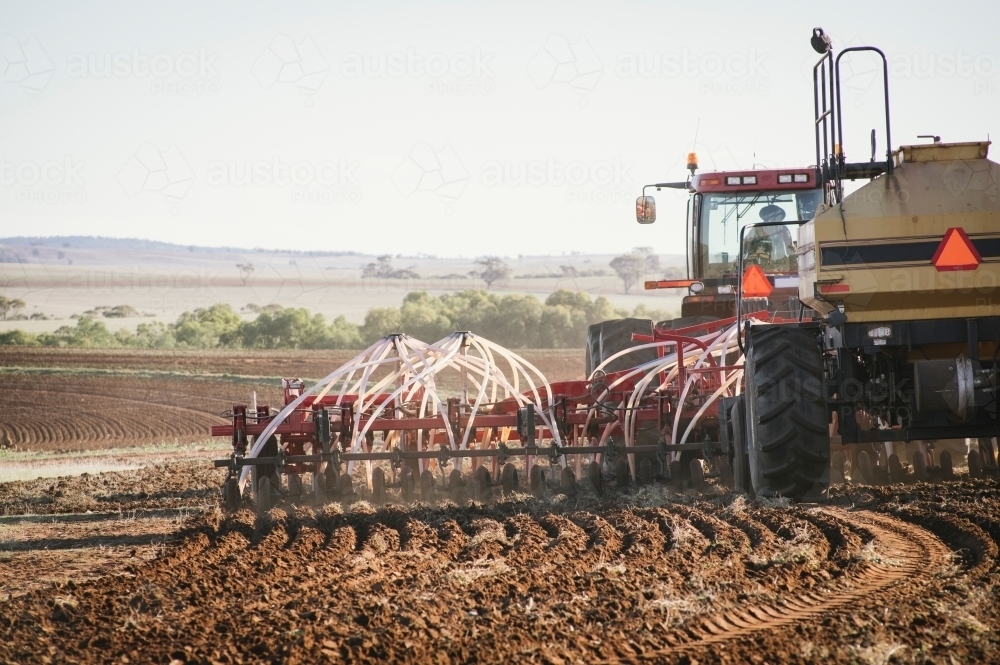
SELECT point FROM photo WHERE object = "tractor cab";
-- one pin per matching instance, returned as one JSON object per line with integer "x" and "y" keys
{"x": 742, "y": 233}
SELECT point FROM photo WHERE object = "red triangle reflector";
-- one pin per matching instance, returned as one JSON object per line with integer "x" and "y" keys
{"x": 755, "y": 283}
{"x": 956, "y": 252}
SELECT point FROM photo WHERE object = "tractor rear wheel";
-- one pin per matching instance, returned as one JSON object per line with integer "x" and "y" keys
{"x": 787, "y": 415}
{"x": 607, "y": 338}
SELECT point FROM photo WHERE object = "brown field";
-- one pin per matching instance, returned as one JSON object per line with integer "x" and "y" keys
{"x": 141, "y": 565}
{"x": 642, "y": 574}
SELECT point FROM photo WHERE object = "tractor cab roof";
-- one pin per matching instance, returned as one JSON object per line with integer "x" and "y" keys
{"x": 754, "y": 180}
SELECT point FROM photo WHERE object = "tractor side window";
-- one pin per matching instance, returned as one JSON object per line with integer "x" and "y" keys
{"x": 806, "y": 203}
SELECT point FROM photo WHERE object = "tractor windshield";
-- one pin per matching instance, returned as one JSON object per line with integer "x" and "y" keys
{"x": 773, "y": 247}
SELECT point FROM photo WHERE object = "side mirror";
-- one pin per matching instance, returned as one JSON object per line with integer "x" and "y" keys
{"x": 645, "y": 210}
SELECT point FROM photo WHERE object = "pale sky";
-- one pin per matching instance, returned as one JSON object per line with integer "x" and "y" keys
{"x": 454, "y": 129}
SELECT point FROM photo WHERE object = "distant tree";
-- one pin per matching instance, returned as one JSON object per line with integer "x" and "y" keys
{"x": 10, "y": 307}
{"x": 383, "y": 269}
{"x": 630, "y": 268}
{"x": 246, "y": 269}
{"x": 16, "y": 305}
{"x": 492, "y": 269}
{"x": 652, "y": 260}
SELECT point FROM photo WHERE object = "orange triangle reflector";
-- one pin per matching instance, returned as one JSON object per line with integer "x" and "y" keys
{"x": 756, "y": 283}
{"x": 956, "y": 252}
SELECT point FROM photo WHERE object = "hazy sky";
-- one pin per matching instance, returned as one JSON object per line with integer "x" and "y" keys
{"x": 444, "y": 128}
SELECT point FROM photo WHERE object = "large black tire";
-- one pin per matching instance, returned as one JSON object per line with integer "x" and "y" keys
{"x": 741, "y": 458}
{"x": 607, "y": 338}
{"x": 787, "y": 414}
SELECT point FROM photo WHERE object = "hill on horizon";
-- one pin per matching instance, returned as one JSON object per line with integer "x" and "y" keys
{"x": 103, "y": 242}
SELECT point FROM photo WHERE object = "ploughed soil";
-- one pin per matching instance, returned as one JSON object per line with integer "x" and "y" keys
{"x": 904, "y": 573}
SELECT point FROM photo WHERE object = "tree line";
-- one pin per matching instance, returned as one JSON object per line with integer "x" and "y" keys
{"x": 514, "y": 321}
